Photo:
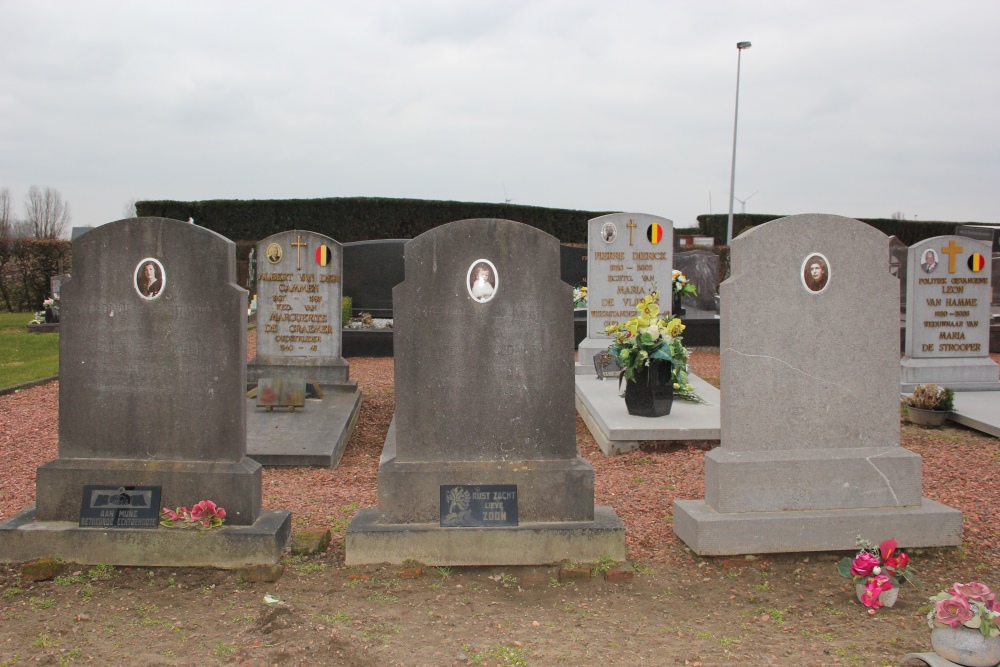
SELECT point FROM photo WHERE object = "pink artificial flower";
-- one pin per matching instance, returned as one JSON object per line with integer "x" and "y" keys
{"x": 973, "y": 591}
{"x": 897, "y": 562}
{"x": 220, "y": 512}
{"x": 887, "y": 549}
{"x": 952, "y": 612}
{"x": 203, "y": 509}
{"x": 172, "y": 515}
{"x": 873, "y": 589}
{"x": 863, "y": 564}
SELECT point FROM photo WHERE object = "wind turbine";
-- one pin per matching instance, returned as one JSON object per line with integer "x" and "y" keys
{"x": 743, "y": 202}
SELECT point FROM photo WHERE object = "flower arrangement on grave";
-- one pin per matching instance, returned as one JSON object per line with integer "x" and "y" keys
{"x": 878, "y": 570}
{"x": 204, "y": 515}
{"x": 681, "y": 285}
{"x": 931, "y": 397}
{"x": 648, "y": 339}
{"x": 972, "y": 605}
{"x": 580, "y": 297}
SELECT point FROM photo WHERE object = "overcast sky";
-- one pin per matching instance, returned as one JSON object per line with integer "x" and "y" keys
{"x": 854, "y": 108}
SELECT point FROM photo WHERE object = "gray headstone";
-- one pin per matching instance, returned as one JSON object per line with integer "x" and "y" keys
{"x": 810, "y": 407}
{"x": 898, "y": 253}
{"x": 484, "y": 396}
{"x": 371, "y": 270}
{"x": 152, "y": 371}
{"x": 948, "y": 315}
{"x": 701, "y": 268}
{"x": 55, "y": 284}
{"x": 299, "y": 291}
{"x": 627, "y": 254}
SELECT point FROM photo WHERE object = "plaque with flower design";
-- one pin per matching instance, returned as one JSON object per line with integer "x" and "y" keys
{"x": 478, "y": 506}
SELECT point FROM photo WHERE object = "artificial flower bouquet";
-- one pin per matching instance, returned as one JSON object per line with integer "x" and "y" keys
{"x": 972, "y": 605}
{"x": 646, "y": 339}
{"x": 580, "y": 297}
{"x": 205, "y": 515}
{"x": 682, "y": 286}
{"x": 879, "y": 569}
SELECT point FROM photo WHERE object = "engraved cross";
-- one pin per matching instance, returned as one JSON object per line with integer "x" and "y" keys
{"x": 631, "y": 230}
{"x": 952, "y": 251}
{"x": 299, "y": 244}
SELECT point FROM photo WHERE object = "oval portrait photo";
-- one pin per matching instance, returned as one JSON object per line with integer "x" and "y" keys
{"x": 482, "y": 280}
{"x": 149, "y": 278}
{"x": 609, "y": 232}
{"x": 929, "y": 260}
{"x": 815, "y": 272}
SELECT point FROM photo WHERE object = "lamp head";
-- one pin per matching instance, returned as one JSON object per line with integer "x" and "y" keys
{"x": 742, "y": 45}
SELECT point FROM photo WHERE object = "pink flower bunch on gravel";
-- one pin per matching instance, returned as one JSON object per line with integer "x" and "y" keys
{"x": 972, "y": 605}
{"x": 205, "y": 515}
{"x": 881, "y": 569}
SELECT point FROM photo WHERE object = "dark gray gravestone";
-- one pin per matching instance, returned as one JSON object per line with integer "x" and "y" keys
{"x": 484, "y": 386}
{"x": 371, "y": 270}
{"x": 701, "y": 267}
{"x": 573, "y": 265}
{"x": 151, "y": 377}
{"x": 810, "y": 454}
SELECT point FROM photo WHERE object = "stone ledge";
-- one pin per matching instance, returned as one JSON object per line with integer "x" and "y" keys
{"x": 527, "y": 544}
{"x": 228, "y": 547}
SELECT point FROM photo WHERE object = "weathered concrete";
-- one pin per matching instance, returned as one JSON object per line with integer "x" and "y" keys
{"x": 978, "y": 410}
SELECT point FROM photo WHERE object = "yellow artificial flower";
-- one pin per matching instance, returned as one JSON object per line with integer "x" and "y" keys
{"x": 674, "y": 328}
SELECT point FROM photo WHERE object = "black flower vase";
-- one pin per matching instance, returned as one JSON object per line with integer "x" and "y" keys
{"x": 678, "y": 309}
{"x": 651, "y": 392}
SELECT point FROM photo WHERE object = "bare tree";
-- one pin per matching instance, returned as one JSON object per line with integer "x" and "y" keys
{"x": 899, "y": 215}
{"x": 46, "y": 212}
{"x": 6, "y": 221}
{"x": 128, "y": 209}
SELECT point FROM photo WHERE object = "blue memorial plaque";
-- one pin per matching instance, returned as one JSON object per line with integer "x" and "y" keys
{"x": 478, "y": 506}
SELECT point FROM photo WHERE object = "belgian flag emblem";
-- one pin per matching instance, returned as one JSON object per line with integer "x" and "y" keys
{"x": 654, "y": 233}
{"x": 976, "y": 262}
{"x": 323, "y": 255}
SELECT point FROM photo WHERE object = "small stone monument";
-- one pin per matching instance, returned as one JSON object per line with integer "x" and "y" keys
{"x": 152, "y": 391}
{"x": 810, "y": 456}
{"x": 299, "y": 333}
{"x": 898, "y": 252}
{"x": 480, "y": 465}
{"x": 948, "y": 316}
{"x": 628, "y": 253}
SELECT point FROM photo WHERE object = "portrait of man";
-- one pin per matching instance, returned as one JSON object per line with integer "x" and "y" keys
{"x": 149, "y": 278}
{"x": 609, "y": 232}
{"x": 482, "y": 280}
{"x": 274, "y": 253}
{"x": 929, "y": 262}
{"x": 815, "y": 272}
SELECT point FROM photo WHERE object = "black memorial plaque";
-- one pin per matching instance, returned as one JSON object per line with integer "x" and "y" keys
{"x": 120, "y": 507}
{"x": 606, "y": 365}
{"x": 478, "y": 506}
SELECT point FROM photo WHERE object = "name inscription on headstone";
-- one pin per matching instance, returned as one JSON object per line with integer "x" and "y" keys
{"x": 485, "y": 505}
{"x": 120, "y": 507}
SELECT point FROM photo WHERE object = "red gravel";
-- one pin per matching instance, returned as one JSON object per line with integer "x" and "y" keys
{"x": 960, "y": 468}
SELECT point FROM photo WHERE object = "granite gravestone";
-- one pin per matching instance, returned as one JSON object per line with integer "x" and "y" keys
{"x": 371, "y": 270}
{"x": 484, "y": 387}
{"x": 810, "y": 456}
{"x": 628, "y": 254}
{"x": 701, "y": 267}
{"x": 299, "y": 309}
{"x": 152, "y": 377}
{"x": 898, "y": 252}
{"x": 948, "y": 316}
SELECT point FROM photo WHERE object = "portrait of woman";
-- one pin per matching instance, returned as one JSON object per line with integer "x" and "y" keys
{"x": 482, "y": 280}
{"x": 815, "y": 272}
{"x": 149, "y": 278}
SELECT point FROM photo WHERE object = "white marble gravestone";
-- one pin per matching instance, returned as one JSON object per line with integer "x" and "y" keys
{"x": 948, "y": 316}
{"x": 628, "y": 253}
{"x": 810, "y": 456}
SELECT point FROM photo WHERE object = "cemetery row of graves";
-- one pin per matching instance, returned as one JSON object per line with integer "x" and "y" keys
{"x": 485, "y": 442}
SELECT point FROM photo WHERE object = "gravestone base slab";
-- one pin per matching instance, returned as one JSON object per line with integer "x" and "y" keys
{"x": 960, "y": 374}
{"x": 369, "y": 542}
{"x": 978, "y": 410}
{"x": 324, "y": 370}
{"x": 235, "y": 486}
{"x": 586, "y": 350}
{"x": 711, "y": 533}
{"x": 22, "y": 538}
{"x": 603, "y": 410}
{"x": 808, "y": 479}
{"x": 315, "y": 435}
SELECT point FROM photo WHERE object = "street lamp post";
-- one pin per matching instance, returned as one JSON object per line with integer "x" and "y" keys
{"x": 732, "y": 173}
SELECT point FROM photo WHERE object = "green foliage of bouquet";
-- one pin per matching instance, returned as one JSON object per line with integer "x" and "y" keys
{"x": 681, "y": 285}
{"x": 647, "y": 339}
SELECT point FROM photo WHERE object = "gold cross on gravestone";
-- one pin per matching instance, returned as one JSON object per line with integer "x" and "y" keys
{"x": 298, "y": 252}
{"x": 631, "y": 230}
{"x": 952, "y": 250}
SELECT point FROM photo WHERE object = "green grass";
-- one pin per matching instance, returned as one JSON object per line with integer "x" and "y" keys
{"x": 23, "y": 356}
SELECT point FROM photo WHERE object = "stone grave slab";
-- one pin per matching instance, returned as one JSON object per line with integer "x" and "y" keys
{"x": 701, "y": 267}
{"x": 627, "y": 253}
{"x": 810, "y": 454}
{"x": 152, "y": 378}
{"x": 602, "y": 408}
{"x": 483, "y": 400}
{"x": 979, "y": 410}
{"x": 948, "y": 316}
{"x": 299, "y": 335}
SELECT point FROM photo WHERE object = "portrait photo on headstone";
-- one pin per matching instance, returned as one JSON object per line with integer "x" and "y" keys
{"x": 482, "y": 280}
{"x": 815, "y": 272}
{"x": 149, "y": 278}
{"x": 929, "y": 261}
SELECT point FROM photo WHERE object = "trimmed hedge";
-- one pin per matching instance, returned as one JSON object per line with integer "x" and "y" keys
{"x": 349, "y": 219}
{"x": 25, "y": 268}
{"x": 908, "y": 231}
